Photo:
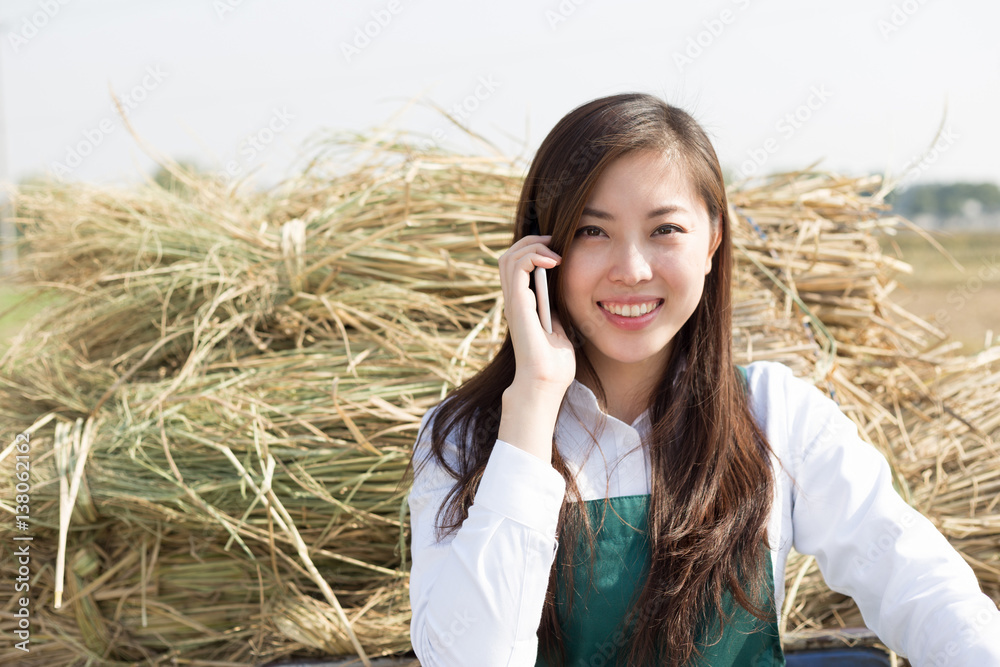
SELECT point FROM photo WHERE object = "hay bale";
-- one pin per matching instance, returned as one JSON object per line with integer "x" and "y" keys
{"x": 252, "y": 368}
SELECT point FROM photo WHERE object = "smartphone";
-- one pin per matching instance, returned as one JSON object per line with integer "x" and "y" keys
{"x": 540, "y": 286}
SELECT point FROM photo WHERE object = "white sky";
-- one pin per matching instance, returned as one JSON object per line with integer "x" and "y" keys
{"x": 224, "y": 76}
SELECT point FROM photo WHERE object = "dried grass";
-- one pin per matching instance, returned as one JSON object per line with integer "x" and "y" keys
{"x": 253, "y": 367}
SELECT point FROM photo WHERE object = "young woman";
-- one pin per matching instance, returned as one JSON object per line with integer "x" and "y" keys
{"x": 618, "y": 492}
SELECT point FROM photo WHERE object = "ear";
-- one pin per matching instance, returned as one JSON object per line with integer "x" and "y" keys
{"x": 713, "y": 245}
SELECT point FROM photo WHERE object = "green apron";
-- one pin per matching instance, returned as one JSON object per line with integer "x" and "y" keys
{"x": 592, "y": 632}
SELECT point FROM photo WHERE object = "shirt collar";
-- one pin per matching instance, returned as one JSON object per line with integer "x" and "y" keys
{"x": 584, "y": 405}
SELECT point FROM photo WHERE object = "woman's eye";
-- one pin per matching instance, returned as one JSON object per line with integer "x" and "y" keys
{"x": 593, "y": 232}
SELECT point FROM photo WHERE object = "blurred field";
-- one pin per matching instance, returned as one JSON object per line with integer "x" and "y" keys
{"x": 10, "y": 321}
{"x": 17, "y": 305}
{"x": 964, "y": 302}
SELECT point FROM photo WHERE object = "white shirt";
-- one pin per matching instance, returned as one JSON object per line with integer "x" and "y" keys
{"x": 477, "y": 595}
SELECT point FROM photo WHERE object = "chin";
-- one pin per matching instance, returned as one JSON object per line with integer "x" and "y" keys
{"x": 634, "y": 355}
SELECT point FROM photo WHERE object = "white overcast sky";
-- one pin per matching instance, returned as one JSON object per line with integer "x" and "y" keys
{"x": 886, "y": 69}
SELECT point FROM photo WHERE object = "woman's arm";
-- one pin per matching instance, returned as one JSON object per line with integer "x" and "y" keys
{"x": 913, "y": 589}
{"x": 477, "y": 595}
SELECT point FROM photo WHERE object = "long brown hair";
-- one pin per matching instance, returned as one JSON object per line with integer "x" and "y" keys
{"x": 712, "y": 482}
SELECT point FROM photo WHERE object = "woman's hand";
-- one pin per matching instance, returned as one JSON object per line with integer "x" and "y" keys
{"x": 545, "y": 361}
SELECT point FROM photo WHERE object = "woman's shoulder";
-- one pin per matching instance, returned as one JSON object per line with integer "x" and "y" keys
{"x": 444, "y": 409}
{"x": 429, "y": 420}
{"x": 767, "y": 369}
{"x": 773, "y": 379}
{"x": 430, "y": 464}
{"x": 790, "y": 408}
{"x": 450, "y": 436}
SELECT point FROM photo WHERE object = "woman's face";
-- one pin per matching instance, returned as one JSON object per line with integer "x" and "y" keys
{"x": 635, "y": 269}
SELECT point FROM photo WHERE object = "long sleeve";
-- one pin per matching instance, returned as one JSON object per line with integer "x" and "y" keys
{"x": 477, "y": 595}
{"x": 913, "y": 588}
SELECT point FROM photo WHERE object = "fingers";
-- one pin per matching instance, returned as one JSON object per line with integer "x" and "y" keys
{"x": 528, "y": 263}
{"x": 528, "y": 253}
{"x": 516, "y": 268}
{"x": 516, "y": 265}
{"x": 532, "y": 240}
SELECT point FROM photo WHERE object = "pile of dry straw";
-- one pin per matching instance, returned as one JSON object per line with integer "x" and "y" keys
{"x": 222, "y": 405}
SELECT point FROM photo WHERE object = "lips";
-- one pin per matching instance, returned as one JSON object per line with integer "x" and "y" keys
{"x": 631, "y": 322}
{"x": 636, "y": 309}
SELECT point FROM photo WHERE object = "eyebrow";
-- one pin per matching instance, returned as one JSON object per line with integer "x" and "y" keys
{"x": 655, "y": 213}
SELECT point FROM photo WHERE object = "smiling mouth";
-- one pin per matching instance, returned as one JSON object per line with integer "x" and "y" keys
{"x": 635, "y": 310}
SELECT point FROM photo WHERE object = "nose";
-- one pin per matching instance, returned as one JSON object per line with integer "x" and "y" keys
{"x": 630, "y": 266}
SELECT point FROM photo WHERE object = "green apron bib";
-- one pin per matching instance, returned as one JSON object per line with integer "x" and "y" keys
{"x": 592, "y": 634}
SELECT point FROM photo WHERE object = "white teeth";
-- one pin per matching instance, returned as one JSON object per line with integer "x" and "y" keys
{"x": 630, "y": 311}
